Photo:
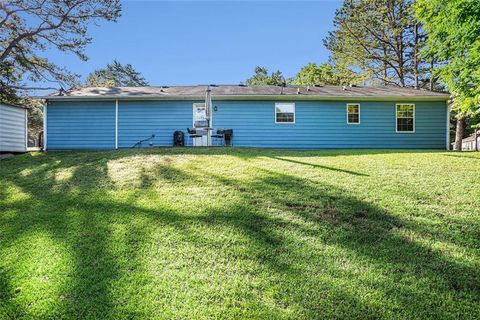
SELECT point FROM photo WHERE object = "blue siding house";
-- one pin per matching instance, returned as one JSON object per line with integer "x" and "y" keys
{"x": 301, "y": 117}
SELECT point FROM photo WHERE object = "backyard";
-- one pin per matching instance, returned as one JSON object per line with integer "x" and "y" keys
{"x": 240, "y": 233}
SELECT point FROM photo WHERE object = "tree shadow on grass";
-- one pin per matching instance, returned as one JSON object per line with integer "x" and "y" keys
{"x": 472, "y": 156}
{"x": 370, "y": 233}
{"x": 9, "y": 308}
{"x": 243, "y": 153}
{"x": 320, "y": 166}
{"x": 78, "y": 213}
{"x": 289, "y": 222}
{"x": 76, "y": 225}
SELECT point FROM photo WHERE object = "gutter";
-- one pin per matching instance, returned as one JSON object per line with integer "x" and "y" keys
{"x": 245, "y": 98}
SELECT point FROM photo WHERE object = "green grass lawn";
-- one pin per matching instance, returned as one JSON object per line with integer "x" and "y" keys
{"x": 240, "y": 233}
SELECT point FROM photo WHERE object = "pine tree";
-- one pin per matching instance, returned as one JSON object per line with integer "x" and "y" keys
{"x": 382, "y": 40}
{"x": 116, "y": 75}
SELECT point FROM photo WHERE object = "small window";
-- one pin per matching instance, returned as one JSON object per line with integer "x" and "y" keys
{"x": 353, "y": 113}
{"x": 405, "y": 114}
{"x": 284, "y": 113}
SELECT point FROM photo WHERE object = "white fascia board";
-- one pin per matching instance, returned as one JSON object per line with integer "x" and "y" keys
{"x": 249, "y": 98}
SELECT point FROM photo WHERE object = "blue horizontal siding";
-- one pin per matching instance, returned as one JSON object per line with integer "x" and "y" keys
{"x": 318, "y": 124}
{"x": 138, "y": 120}
{"x": 81, "y": 125}
{"x": 324, "y": 125}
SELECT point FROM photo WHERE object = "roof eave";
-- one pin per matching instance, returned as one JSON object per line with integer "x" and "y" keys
{"x": 12, "y": 105}
{"x": 331, "y": 98}
{"x": 249, "y": 97}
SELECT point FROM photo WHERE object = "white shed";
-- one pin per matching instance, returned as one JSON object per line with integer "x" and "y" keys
{"x": 13, "y": 128}
{"x": 471, "y": 143}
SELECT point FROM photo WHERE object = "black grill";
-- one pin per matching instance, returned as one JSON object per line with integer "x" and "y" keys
{"x": 178, "y": 139}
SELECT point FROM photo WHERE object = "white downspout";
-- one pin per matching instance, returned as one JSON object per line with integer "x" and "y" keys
{"x": 116, "y": 124}
{"x": 45, "y": 126}
{"x": 448, "y": 126}
{"x": 26, "y": 129}
{"x": 208, "y": 107}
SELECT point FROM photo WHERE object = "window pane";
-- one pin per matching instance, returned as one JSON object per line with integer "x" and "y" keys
{"x": 405, "y": 117}
{"x": 285, "y": 112}
{"x": 353, "y": 118}
{"x": 405, "y": 110}
{"x": 286, "y": 108}
{"x": 285, "y": 117}
{"x": 353, "y": 113}
{"x": 353, "y": 108}
{"x": 405, "y": 124}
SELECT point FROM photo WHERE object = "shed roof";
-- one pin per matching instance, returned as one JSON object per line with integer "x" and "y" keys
{"x": 231, "y": 92}
{"x": 11, "y": 105}
{"x": 472, "y": 137}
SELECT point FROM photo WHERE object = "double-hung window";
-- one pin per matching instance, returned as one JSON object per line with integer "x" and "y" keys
{"x": 353, "y": 113}
{"x": 405, "y": 115}
{"x": 284, "y": 112}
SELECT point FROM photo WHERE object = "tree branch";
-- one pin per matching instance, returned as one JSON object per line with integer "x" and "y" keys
{"x": 40, "y": 29}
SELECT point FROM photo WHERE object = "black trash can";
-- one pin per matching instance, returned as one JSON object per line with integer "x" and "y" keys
{"x": 178, "y": 139}
{"x": 228, "y": 136}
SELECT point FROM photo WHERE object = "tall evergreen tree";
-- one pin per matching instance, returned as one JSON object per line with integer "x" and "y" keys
{"x": 382, "y": 40}
{"x": 116, "y": 75}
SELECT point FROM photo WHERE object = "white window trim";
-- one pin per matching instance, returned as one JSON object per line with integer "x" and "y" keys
{"x": 414, "y": 118}
{"x": 359, "y": 116}
{"x": 294, "y": 112}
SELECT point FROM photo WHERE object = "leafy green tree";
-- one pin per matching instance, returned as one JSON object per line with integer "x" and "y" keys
{"x": 325, "y": 74}
{"x": 453, "y": 28}
{"x": 261, "y": 77}
{"x": 116, "y": 75}
{"x": 382, "y": 40}
{"x": 28, "y": 28}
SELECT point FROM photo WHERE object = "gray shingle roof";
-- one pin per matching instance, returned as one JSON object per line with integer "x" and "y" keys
{"x": 250, "y": 92}
{"x": 12, "y": 105}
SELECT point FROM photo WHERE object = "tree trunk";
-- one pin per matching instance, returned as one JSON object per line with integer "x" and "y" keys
{"x": 476, "y": 139}
{"x": 431, "y": 75}
{"x": 415, "y": 55}
{"x": 460, "y": 129}
{"x": 385, "y": 66}
{"x": 401, "y": 67}
{"x": 400, "y": 45}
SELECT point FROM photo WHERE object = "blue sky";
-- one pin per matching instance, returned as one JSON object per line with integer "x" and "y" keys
{"x": 198, "y": 42}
